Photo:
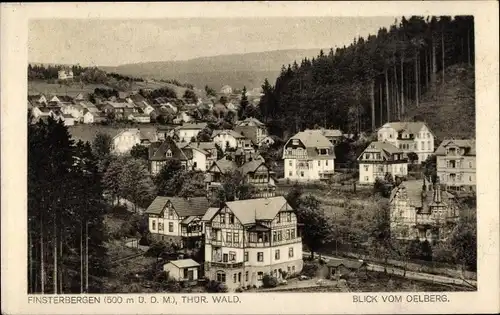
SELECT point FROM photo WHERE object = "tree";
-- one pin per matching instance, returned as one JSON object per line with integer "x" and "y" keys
{"x": 244, "y": 105}
{"x": 233, "y": 188}
{"x": 430, "y": 168}
{"x": 135, "y": 183}
{"x": 317, "y": 229}
{"x": 190, "y": 96}
{"x": 139, "y": 151}
{"x": 380, "y": 232}
{"x": 412, "y": 157}
{"x": 463, "y": 241}
{"x": 205, "y": 135}
{"x": 210, "y": 91}
{"x": 101, "y": 146}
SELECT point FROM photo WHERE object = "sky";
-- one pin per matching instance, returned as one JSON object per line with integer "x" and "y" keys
{"x": 107, "y": 42}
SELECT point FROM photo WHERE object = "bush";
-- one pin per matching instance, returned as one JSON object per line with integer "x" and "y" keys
{"x": 216, "y": 287}
{"x": 310, "y": 269}
{"x": 249, "y": 287}
{"x": 284, "y": 274}
{"x": 146, "y": 240}
{"x": 269, "y": 281}
{"x": 239, "y": 290}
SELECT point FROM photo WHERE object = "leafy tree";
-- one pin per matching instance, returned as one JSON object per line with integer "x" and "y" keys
{"x": 463, "y": 242}
{"x": 380, "y": 232}
{"x": 210, "y": 91}
{"x": 412, "y": 157}
{"x": 101, "y": 147}
{"x": 135, "y": 183}
{"x": 430, "y": 169}
{"x": 190, "y": 96}
{"x": 205, "y": 135}
{"x": 233, "y": 188}
{"x": 139, "y": 151}
{"x": 111, "y": 178}
{"x": 317, "y": 229}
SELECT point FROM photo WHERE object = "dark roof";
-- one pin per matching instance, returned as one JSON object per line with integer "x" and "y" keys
{"x": 225, "y": 165}
{"x": 469, "y": 146}
{"x": 348, "y": 263}
{"x": 251, "y": 167}
{"x": 65, "y": 98}
{"x": 158, "y": 151}
{"x": 137, "y": 98}
{"x": 184, "y": 207}
{"x": 385, "y": 148}
{"x": 193, "y": 126}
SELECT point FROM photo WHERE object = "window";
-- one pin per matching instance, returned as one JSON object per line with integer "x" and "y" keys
{"x": 279, "y": 236}
{"x": 224, "y": 257}
{"x": 292, "y": 233}
{"x": 279, "y": 218}
{"x": 232, "y": 256}
{"x": 260, "y": 274}
{"x": 153, "y": 225}
{"x": 326, "y": 163}
{"x": 160, "y": 227}
{"x": 290, "y": 252}
{"x": 277, "y": 254}
{"x": 234, "y": 277}
{"x": 366, "y": 178}
{"x": 470, "y": 178}
{"x": 170, "y": 226}
{"x": 288, "y": 217}
{"x": 170, "y": 213}
{"x": 229, "y": 238}
{"x": 287, "y": 237}
{"x": 293, "y": 268}
{"x": 169, "y": 153}
{"x": 319, "y": 163}
{"x": 367, "y": 156}
{"x": 290, "y": 162}
{"x": 290, "y": 173}
{"x": 301, "y": 173}
{"x": 195, "y": 164}
{"x": 239, "y": 276}
{"x": 223, "y": 218}
{"x": 470, "y": 164}
{"x": 231, "y": 218}
{"x": 246, "y": 256}
{"x": 429, "y": 145}
{"x": 260, "y": 256}
{"x": 221, "y": 276}
{"x": 366, "y": 168}
{"x": 246, "y": 275}
{"x": 275, "y": 236}
{"x": 236, "y": 237}
{"x": 428, "y": 135}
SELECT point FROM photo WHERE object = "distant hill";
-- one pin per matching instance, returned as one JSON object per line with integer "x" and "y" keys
{"x": 237, "y": 70}
{"x": 450, "y": 110}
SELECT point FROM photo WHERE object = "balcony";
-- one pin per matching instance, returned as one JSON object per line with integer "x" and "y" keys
{"x": 226, "y": 264}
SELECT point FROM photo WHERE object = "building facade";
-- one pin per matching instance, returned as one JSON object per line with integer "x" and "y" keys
{"x": 380, "y": 158}
{"x": 177, "y": 220}
{"x": 124, "y": 141}
{"x": 188, "y": 131}
{"x": 309, "y": 156}
{"x": 252, "y": 129}
{"x": 421, "y": 210}
{"x": 410, "y": 137}
{"x": 456, "y": 164}
{"x": 247, "y": 239}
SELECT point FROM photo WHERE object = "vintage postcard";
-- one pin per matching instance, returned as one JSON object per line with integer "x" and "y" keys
{"x": 250, "y": 158}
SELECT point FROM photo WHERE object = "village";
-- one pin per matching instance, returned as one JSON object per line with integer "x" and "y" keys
{"x": 249, "y": 235}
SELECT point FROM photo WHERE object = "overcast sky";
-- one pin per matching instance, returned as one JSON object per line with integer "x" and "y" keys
{"x": 114, "y": 42}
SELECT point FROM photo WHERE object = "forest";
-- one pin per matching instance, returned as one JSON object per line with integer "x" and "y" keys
{"x": 374, "y": 80}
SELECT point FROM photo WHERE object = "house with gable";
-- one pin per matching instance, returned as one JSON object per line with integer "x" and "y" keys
{"x": 252, "y": 129}
{"x": 456, "y": 164}
{"x": 309, "y": 156}
{"x": 247, "y": 239}
{"x": 161, "y": 152}
{"x": 228, "y": 139}
{"x": 204, "y": 154}
{"x": 188, "y": 131}
{"x": 379, "y": 159}
{"x": 410, "y": 137}
{"x": 177, "y": 220}
{"x": 37, "y": 100}
{"x": 420, "y": 209}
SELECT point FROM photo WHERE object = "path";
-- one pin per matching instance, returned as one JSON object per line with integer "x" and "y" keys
{"x": 410, "y": 274}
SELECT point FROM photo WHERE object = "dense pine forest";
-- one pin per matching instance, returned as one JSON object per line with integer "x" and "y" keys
{"x": 374, "y": 80}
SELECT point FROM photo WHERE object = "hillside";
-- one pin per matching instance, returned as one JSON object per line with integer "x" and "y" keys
{"x": 449, "y": 110}
{"x": 237, "y": 70}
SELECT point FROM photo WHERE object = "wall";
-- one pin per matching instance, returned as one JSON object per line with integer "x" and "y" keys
{"x": 200, "y": 160}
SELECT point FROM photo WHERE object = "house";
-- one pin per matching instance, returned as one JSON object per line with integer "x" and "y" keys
{"x": 456, "y": 164}
{"x": 75, "y": 110}
{"x": 228, "y": 139}
{"x": 253, "y": 129}
{"x": 267, "y": 140}
{"x": 65, "y": 74}
{"x": 335, "y": 136}
{"x": 204, "y": 154}
{"x": 139, "y": 118}
{"x": 37, "y": 112}
{"x": 226, "y": 89}
{"x": 161, "y": 152}
{"x": 247, "y": 239}
{"x": 182, "y": 269}
{"x": 135, "y": 98}
{"x": 188, "y": 131}
{"x": 121, "y": 110}
{"x": 421, "y": 210}
{"x": 37, "y": 100}
{"x": 163, "y": 132}
{"x": 148, "y": 136}
{"x": 380, "y": 158}
{"x": 61, "y": 99}
{"x": 308, "y": 156}
{"x": 93, "y": 117}
{"x": 144, "y": 107}
{"x": 410, "y": 137}
{"x": 124, "y": 141}
{"x": 89, "y": 106}
{"x": 177, "y": 220}
{"x": 341, "y": 268}
{"x": 182, "y": 117}
{"x": 254, "y": 172}
{"x": 68, "y": 120}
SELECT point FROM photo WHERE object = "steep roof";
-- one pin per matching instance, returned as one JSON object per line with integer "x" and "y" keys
{"x": 184, "y": 207}
{"x": 250, "y": 121}
{"x": 385, "y": 148}
{"x": 331, "y": 132}
{"x": 157, "y": 151}
{"x": 469, "y": 145}
{"x": 414, "y": 191}
{"x": 210, "y": 214}
{"x": 225, "y": 165}
{"x": 312, "y": 139}
{"x": 410, "y": 127}
{"x": 249, "y": 210}
{"x": 228, "y": 132}
{"x": 65, "y": 98}
{"x": 250, "y": 167}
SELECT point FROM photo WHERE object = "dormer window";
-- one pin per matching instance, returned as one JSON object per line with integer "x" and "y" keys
{"x": 295, "y": 142}
{"x": 323, "y": 151}
{"x": 169, "y": 153}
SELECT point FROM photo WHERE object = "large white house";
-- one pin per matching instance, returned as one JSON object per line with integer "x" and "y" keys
{"x": 176, "y": 219}
{"x": 380, "y": 158}
{"x": 309, "y": 155}
{"x": 226, "y": 139}
{"x": 410, "y": 137}
{"x": 124, "y": 141}
{"x": 247, "y": 239}
{"x": 190, "y": 130}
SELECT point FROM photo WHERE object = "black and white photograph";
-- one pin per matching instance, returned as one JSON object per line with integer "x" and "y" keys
{"x": 232, "y": 156}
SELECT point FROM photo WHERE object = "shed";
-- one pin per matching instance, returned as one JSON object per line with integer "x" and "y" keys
{"x": 343, "y": 267}
{"x": 182, "y": 269}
